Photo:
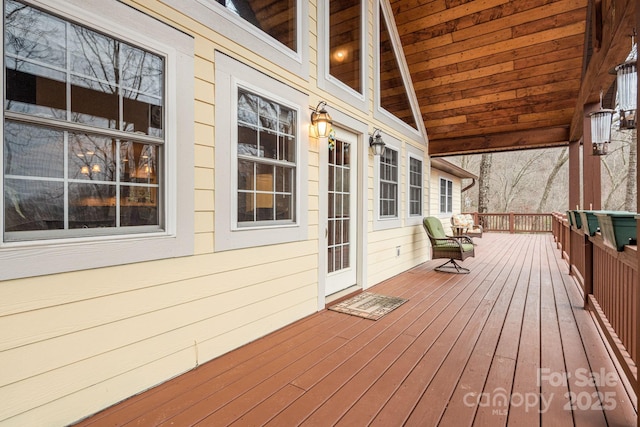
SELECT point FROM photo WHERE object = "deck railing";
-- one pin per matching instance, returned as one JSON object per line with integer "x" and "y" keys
{"x": 512, "y": 222}
{"x": 609, "y": 280}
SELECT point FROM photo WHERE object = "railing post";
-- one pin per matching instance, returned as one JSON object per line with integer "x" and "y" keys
{"x": 512, "y": 222}
{"x": 588, "y": 270}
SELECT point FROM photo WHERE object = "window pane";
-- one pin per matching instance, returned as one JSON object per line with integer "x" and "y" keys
{"x": 345, "y": 42}
{"x": 94, "y": 103}
{"x": 277, "y": 18}
{"x": 247, "y": 141}
{"x": 34, "y": 35}
{"x": 268, "y": 145}
{"x": 92, "y": 205}
{"x": 284, "y": 180}
{"x": 246, "y": 206}
{"x": 393, "y": 93}
{"x": 283, "y": 206}
{"x": 142, "y": 114}
{"x": 33, "y": 205}
{"x": 287, "y": 149}
{"x": 139, "y": 162}
{"x": 138, "y": 206}
{"x": 92, "y": 54}
{"x": 34, "y": 89}
{"x": 33, "y": 151}
{"x": 92, "y": 158}
{"x": 245, "y": 175}
{"x": 141, "y": 71}
{"x": 142, "y": 79}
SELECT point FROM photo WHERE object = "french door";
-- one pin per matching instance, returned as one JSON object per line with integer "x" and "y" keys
{"x": 341, "y": 192}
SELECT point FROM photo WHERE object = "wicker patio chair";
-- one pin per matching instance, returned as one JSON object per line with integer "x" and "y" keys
{"x": 452, "y": 247}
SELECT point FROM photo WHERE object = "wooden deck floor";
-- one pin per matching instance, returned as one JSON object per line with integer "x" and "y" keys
{"x": 507, "y": 344}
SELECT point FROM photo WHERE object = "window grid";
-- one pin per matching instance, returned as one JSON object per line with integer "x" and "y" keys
{"x": 415, "y": 187}
{"x": 266, "y": 159}
{"x": 446, "y": 195}
{"x": 338, "y": 204}
{"x": 389, "y": 184}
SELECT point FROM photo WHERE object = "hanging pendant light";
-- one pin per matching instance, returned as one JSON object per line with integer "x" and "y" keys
{"x": 601, "y": 130}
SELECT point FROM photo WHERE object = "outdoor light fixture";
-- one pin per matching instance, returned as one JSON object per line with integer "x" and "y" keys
{"x": 321, "y": 120}
{"x": 376, "y": 143}
{"x": 627, "y": 79}
{"x": 601, "y": 130}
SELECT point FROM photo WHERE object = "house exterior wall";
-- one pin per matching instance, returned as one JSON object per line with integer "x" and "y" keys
{"x": 434, "y": 197}
{"x": 76, "y": 342}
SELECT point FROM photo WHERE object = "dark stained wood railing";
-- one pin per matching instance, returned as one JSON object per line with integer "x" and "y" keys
{"x": 512, "y": 222}
{"x": 615, "y": 280}
{"x": 609, "y": 281}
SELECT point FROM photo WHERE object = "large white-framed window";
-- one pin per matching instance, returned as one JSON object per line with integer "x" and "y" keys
{"x": 446, "y": 196}
{"x": 92, "y": 114}
{"x": 282, "y": 39}
{"x": 389, "y": 61}
{"x": 342, "y": 59}
{"x": 266, "y": 160}
{"x": 415, "y": 186}
{"x": 261, "y": 160}
{"x": 387, "y": 173}
{"x": 389, "y": 184}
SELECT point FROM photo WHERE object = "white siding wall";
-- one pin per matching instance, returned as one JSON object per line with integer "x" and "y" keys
{"x": 75, "y": 343}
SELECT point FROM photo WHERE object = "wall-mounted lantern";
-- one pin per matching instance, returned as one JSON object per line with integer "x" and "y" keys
{"x": 321, "y": 120}
{"x": 376, "y": 143}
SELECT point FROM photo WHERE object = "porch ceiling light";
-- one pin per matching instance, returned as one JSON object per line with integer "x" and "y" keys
{"x": 321, "y": 120}
{"x": 601, "y": 130}
{"x": 627, "y": 79}
{"x": 376, "y": 143}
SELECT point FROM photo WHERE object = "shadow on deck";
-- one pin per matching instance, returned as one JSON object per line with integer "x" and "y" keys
{"x": 508, "y": 343}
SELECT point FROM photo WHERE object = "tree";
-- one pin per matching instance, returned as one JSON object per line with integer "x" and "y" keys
{"x": 484, "y": 181}
{"x": 560, "y": 161}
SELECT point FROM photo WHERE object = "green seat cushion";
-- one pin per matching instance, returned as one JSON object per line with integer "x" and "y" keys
{"x": 466, "y": 247}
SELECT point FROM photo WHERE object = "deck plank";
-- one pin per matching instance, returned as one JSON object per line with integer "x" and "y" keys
{"x": 488, "y": 334}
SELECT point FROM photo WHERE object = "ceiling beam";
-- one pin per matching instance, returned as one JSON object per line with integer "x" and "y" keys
{"x": 617, "y": 27}
{"x": 527, "y": 139}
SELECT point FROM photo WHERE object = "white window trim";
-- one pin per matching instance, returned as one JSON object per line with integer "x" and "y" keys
{"x": 328, "y": 82}
{"x": 228, "y": 235}
{"x": 414, "y": 153}
{"x": 26, "y": 259}
{"x": 395, "y": 222}
{"x": 440, "y": 179}
{"x": 218, "y": 18}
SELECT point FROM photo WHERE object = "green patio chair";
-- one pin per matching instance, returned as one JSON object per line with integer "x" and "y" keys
{"x": 443, "y": 246}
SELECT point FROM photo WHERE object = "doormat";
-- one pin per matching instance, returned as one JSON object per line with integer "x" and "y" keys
{"x": 368, "y": 305}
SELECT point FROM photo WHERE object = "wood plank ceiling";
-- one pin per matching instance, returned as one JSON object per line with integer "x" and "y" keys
{"x": 494, "y": 75}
